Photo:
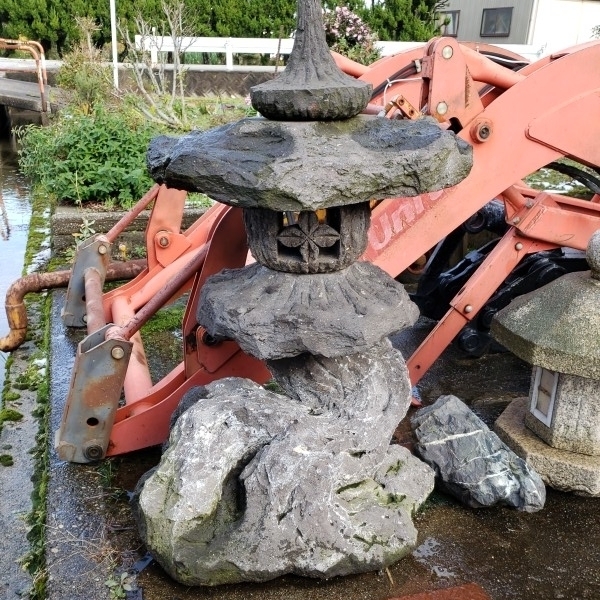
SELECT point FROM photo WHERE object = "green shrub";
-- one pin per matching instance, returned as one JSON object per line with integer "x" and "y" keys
{"x": 96, "y": 157}
{"x": 88, "y": 81}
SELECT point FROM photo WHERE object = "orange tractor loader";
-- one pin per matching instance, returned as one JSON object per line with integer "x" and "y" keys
{"x": 519, "y": 117}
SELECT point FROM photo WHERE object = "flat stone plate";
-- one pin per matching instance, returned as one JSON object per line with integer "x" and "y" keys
{"x": 300, "y": 166}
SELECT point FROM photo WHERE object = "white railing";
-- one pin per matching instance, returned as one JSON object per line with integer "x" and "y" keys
{"x": 215, "y": 45}
{"x": 273, "y": 46}
{"x": 231, "y": 46}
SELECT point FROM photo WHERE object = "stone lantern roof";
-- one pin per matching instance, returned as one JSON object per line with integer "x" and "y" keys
{"x": 558, "y": 326}
{"x": 302, "y": 166}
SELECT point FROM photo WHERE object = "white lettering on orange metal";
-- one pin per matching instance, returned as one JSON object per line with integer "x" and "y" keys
{"x": 396, "y": 216}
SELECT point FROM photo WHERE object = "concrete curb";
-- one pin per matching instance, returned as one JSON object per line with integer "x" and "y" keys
{"x": 68, "y": 220}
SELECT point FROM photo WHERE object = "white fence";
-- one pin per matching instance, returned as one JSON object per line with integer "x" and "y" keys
{"x": 215, "y": 45}
{"x": 231, "y": 46}
{"x": 272, "y": 46}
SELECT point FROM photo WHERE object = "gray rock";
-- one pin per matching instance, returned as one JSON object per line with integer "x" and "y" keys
{"x": 298, "y": 166}
{"x": 274, "y": 315}
{"x": 312, "y": 85}
{"x": 372, "y": 388}
{"x": 255, "y": 485}
{"x": 472, "y": 463}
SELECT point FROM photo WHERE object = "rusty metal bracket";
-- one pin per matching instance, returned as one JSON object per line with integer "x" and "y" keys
{"x": 92, "y": 253}
{"x": 94, "y": 393}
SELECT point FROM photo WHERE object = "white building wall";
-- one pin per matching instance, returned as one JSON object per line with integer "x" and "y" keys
{"x": 563, "y": 23}
{"x": 556, "y": 24}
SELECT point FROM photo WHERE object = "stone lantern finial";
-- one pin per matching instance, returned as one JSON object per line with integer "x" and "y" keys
{"x": 312, "y": 87}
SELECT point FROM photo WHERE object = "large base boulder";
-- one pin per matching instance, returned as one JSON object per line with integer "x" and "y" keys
{"x": 254, "y": 485}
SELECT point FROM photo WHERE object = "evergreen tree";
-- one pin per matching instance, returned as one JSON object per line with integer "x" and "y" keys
{"x": 52, "y": 22}
{"x": 403, "y": 20}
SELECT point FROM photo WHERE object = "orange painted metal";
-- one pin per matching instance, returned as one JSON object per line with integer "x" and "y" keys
{"x": 133, "y": 213}
{"x": 469, "y": 591}
{"x": 466, "y": 304}
{"x": 349, "y": 66}
{"x": 515, "y": 123}
{"x": 145, "y": 422}
{"x": 228, "y": 249}
{"x": 506, "y": 157}
{"x": 456, "y": 80}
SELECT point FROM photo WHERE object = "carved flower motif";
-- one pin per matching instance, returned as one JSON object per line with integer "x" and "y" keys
{"x": 309, "y": 236}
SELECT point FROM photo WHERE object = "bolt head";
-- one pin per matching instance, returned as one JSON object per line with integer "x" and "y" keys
{"x": 117, "y": 353}
{"x": 441, "y": 108}
{"x": 163, "y": 242}
{"x": 518, "y": 246}
{"x": 102, "y": 249}
{"x": 93, "y": 452}
{"x": 447, "y": 52}
{"x": 468, "y": 308}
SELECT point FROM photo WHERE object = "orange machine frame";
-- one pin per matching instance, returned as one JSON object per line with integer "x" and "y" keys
{"x": 517, "y": 122}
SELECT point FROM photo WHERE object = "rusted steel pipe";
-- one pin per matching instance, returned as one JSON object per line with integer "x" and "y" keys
{"x": 40, "y": 64}
{"x": 158, "y": 300}
{"x": 94, "y": 311}
{"x": 133, "y": 213}
{"x": 16, "y": 311}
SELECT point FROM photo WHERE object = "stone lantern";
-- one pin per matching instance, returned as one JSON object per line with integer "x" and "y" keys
{"x": 256, "y": 484}
{"x": 556, "y": 329}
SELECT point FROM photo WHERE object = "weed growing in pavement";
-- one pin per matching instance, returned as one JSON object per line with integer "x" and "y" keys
{"x": 119, "y": 586}
{"x": 6, "y": 460}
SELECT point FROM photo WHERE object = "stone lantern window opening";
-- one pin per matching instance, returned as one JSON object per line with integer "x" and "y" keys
{"x": 307, "y": 236}
{"x": 543, "y": 394}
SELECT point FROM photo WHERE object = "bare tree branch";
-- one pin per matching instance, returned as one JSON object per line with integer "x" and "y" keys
{"x": 160, "y": 97}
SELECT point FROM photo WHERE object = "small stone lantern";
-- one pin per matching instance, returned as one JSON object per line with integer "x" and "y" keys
{"x": 556, "y": 329}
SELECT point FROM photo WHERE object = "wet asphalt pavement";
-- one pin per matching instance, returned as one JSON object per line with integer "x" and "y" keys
{"x": 554, "y": 553}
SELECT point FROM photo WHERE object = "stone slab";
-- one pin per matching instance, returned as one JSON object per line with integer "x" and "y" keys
{"x": 305, "y": 166}
{"x": 560, "y": 469}
{"x": 273, "y": 315}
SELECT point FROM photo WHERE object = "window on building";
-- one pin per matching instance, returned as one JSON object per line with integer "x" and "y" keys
{"x": 448, "y": 22}
{"x": 496, "y": 22}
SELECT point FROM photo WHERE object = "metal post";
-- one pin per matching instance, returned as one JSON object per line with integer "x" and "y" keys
{"x": 113, "y": 30}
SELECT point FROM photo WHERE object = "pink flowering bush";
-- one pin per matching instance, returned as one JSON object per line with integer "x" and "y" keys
{"x": 349, "y": 35}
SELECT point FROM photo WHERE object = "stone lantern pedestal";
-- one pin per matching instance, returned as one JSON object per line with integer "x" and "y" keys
{"x": 557, "y": 329}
